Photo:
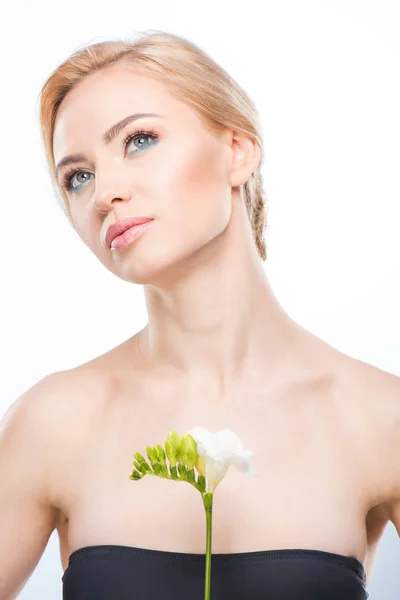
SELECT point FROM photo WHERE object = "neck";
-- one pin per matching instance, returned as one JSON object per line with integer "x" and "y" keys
{"x": 220, "y": 325}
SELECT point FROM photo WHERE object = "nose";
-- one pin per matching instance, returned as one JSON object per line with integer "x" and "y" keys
{"x": 105, "y": 200}
{"x": 109, "y": 188}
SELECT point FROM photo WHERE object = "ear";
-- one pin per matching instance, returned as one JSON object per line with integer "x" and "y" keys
{"x": 246, "y": 157}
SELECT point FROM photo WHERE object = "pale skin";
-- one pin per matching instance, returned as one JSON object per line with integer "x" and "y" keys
{"x": 218, "y": 351}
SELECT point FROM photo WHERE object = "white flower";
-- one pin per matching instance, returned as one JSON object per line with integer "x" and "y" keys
{"x": 221, "y": 450}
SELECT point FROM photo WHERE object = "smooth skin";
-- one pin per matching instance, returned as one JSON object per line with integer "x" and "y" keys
{"x": 218, "y": 351}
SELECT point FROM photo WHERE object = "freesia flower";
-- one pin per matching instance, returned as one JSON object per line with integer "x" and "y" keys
{"x": 220, "y": 450}
{"x": 211, "y": 454}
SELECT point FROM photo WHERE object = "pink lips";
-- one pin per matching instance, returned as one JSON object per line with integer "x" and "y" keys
{"x": 129, "y": 236}
{"x": 121, "y": 225}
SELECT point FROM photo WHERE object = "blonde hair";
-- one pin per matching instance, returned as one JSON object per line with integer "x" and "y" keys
{"x": 190, "y": 74}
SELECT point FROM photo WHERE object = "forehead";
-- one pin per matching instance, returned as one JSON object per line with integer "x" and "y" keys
{"x": 105, "y": 97}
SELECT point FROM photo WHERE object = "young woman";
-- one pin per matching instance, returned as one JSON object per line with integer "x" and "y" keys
{"x": 153, "y": 138}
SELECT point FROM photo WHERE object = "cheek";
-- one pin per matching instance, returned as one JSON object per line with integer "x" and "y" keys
{"x": 196, "y": 195}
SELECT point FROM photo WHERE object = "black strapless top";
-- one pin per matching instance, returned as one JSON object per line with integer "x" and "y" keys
{"x": 111, "y": 572}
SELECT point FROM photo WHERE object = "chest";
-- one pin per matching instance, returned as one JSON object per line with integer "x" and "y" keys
{"x": 308, "y": 491}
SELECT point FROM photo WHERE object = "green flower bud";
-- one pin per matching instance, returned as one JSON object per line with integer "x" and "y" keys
{"x": 201, "y": 465}
{"x": 191, "y": 477}
{"x": 170, "y": 450}
{"x": 152, "y": 454}
{"x": 139, "y": 457}
{"x": 184, "y": 449}
{"x": 145, "y": 468}
{"x": 191, "y": 453}
{"x": 157, "y": 468}
{"x": 182, "y": 471}
{"x": 175, "y": 439}
{"x": 164, "y": 469}
{"x": 161, "y": 453}
{"x": 136, "y": 476}
{"x": 202, "y": 482}
{"x": 188, "y": 451}
{"x": 137, "y": 464}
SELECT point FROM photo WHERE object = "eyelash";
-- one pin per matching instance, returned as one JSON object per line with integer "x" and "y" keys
{"x": 67, "y": 177}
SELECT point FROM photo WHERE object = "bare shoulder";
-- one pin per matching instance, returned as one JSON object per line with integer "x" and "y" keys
{"x": 371, "y": 402}
{"x": 376, "y": 389}
{"x": 67, "y": 400}
{"x": 375, "y": 396}
{"x": 39, "y": 408}
{"x": 58, "y": 395}
{"x": 74, "y": 397}
{"x": 50, "y": 420}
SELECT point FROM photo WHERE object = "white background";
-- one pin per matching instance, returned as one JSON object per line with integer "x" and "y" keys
{"x": 325, "y": 77}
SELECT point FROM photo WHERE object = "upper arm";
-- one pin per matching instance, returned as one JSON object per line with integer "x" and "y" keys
{"x": 27, "y": 517}
{"x": 393, "y": 455}
{"x": 395, "y": 515}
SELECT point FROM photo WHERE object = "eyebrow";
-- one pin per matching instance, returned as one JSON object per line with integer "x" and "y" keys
{"x": 107, "y": 138}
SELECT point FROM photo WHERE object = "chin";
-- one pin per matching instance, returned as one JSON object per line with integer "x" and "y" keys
{"x": 158, "y": 268}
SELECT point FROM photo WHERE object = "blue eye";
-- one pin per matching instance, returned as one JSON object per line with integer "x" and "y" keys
{"x": 66, "y": 183}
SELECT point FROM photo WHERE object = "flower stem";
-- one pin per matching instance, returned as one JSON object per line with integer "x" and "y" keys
{"x": 207, "y": 500}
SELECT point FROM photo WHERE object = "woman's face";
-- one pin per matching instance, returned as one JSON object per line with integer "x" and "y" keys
{"x": 179, "y": 174}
